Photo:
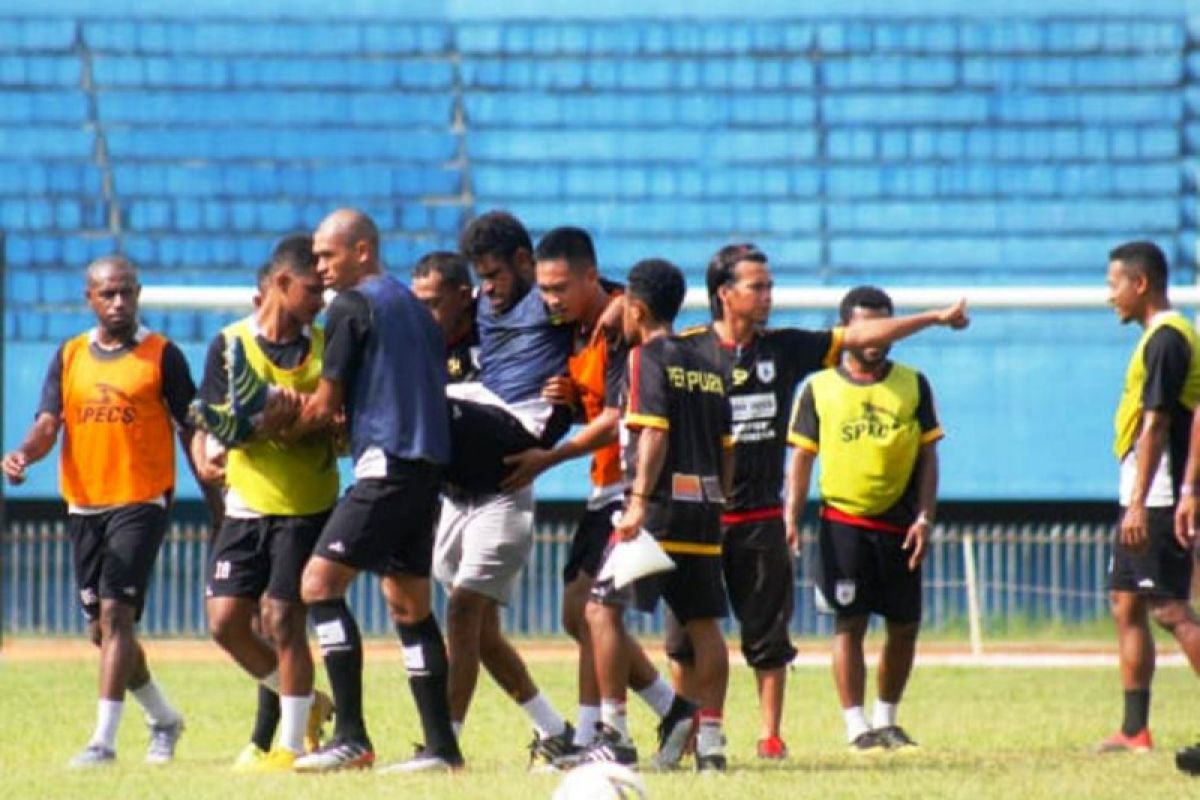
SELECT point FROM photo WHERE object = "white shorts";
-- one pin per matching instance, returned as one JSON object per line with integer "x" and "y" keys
{"x": 483, "y": 542}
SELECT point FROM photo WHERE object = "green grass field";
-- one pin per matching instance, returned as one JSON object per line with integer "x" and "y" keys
{"x": 986, "y": 732}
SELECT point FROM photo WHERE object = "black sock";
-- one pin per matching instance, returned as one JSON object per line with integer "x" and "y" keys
{"x": 428, "y": 675}
{"x": 341, "y": 647}
{"x": 266, "y": 718}
{"x": 1137, "y": 711}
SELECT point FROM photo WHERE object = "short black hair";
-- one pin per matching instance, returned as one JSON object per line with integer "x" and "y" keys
{"x": 496, "y": 233}
{"x": 871, "y": 297}
{"x": 721, "y": 267}
{"x": 570, "y": 244}
{"x": 660, "y": 285}
{"x": 450, "y": 265}
{"x": 1145, "y": 258}
{"x": 294, "y": 252}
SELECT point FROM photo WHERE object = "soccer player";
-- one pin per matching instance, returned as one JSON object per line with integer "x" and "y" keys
{"x": 442, "y": 281}
{"x": 485, "y": 535}
{"x": 1150, "y": 573}
{"x": 679, "y": 465}
{"x": 278, "y": 497}
{"x": 762, "y": 368}
{"x": 567, "y": 276}
{"x": 383, "y": 363}
{"x": 116, "y": 392}
{"x": 873, "y": 423}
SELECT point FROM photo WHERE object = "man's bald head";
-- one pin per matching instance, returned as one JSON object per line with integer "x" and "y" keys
{"x": 110, "y": 265}
{"x": 346, "y": 245}
{"x": 354, "y": 225}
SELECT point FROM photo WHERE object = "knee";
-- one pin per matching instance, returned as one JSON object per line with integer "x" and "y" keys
{"x": 284, "y": 624}
{"x": 464, "y": 609}
{"x": 116, "y": 619}
{"x": 223, "y": 627}
{"x": 1168, "y": 616}
{"x": 313, "y": 587}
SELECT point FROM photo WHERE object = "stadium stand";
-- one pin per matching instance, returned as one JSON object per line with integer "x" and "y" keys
{"x": 894, "y": 147}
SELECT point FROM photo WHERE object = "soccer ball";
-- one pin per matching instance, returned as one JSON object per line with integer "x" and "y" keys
{"x": 601, "y": 781}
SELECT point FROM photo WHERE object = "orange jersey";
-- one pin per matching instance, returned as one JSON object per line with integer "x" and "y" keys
{"x": 118, "y": 444}
{"x": 589, "y": 368}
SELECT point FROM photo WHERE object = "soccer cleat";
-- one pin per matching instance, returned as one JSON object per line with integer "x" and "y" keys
{"x": 319, "y": 713}
{"x": 609, "y": 747}
{"x": 553, "y": 752}
{"x": 711, "y": 758}
{"x": 337, "y": 756}
{"x": 163, "y": 738}
{"x": 94, "y": 755}
{"x": 1188, "y": 759}
{"x": 1140, "y": 742}
{"x": 896, "y": 738}
{"x": 772, "y": 748}
{"x": 278, "y": 760}
{"x": 423, "y": 761}
{"x": 676, "y": 734}
{"x": 251, "y": 754}
{"x": 867, "y": 743}
{"x": 247, "y": 391}
{"x": 227, "y": 428}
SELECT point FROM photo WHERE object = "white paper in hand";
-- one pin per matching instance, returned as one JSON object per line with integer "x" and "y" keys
{"x": 636, "y": 558}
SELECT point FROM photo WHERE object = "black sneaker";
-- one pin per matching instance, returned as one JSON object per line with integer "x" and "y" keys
{"x": 1188, "y": 759}
{"x": 895, "y": 738}
{"x": 676, "y": 733}
{"x": 553, "y": 752}
{"x": 608, "y": 747}
{"x": 868, "y": 742}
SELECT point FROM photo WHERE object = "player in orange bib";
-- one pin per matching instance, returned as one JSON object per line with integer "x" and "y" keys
{"x": 118, "y": 392}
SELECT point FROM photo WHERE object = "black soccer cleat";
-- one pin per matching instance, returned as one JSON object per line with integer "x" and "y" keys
{"x": 553, "y": 752}
{"x": 868, "y": 743}
{"x": 896, "y": 738}
{"x": 609, "y": 747}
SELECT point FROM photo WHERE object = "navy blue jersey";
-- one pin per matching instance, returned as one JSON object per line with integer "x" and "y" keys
{"x": 382, "y": 345}
{"x": 522, "y": 348}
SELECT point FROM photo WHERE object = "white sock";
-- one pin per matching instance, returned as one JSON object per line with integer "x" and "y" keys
{"x": 271, "y": 680}
{"x": 856, "y": 722}
{"x": 612, "y": 714}
{"x": 709, "y": 738}
{"x": 885, "y": 714}
{"x": 158, "y": 709}
{"x": 108, "y": 720}
{"x": 457, "y": 726}
{"x": 293, "y": 719}
{"x": 585, "y": 731}
{"x": 658, "y": 695}
{"x": 543, "y": 716}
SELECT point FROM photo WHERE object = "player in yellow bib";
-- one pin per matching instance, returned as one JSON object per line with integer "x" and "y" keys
{"x": 874, "y": 425}
{"x": 1150, "y": 573}
{"x": 278, "y": 494}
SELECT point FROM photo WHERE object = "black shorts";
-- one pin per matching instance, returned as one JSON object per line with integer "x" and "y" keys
{"x": 590, "y": 541}
{"x": 114, "y": 554}
{"x": 760, "y": 574}
{"x": 1163, "y": 569}
{"x": 863, "y": 571}
{"x": 695, "y": 588}
{"x": 482, "y": 435}
{"x": 264, "y": 554}
{"x": 386, "y": 525}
